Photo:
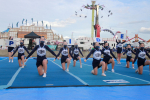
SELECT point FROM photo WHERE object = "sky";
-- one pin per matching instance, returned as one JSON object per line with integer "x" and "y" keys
{"x": 130, "y": 15}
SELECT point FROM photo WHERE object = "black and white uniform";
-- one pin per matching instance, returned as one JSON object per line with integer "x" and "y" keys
{"x": 96, "y": 57}
{"x": 76, "y": 51}
{"x": 129, "y": 54}
{"x": 41, "y": 53}
{"x": 10, "y": 49}
{"x": 21, "y": 49}
{"x": 140, "y": 54}
{"x": 108, "y": 51}
{"x": 119, "y": 46}
{"x": 64, "y": 53}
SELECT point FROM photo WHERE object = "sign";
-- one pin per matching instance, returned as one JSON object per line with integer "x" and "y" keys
{"x": 11, "y": 43}
{"x": 70, "y": 41}
{"x": 116, "y": 81}
{"x": 53, "y": 47}
{"x": 122, "y": 36}
{"x": 97, "y": 39}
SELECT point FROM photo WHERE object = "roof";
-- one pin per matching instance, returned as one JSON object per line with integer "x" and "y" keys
{"x": 32, "y": 35}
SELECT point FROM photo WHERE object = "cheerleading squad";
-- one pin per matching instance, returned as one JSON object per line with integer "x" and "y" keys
{"x": 67, "y": 54}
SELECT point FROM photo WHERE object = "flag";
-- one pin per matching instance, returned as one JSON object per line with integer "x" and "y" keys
{"x": 23, "y": 21}
{"x": 17, "y": 24}
{"x": 12, "y": 25}
{"x": 122, "y": 36}
{"x": 42, "y": 23}
{"x": 32, "y": 20}
{"x": 37, "y": 23}
{"x": 26, "y": 21}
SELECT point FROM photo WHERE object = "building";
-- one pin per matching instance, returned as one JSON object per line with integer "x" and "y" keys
{"x": 24, "y": 30}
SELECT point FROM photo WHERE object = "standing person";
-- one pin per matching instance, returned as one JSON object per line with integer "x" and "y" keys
{"x": 41, "y": 57}
{"x": 119, "y": 50}
{"x": 64, "y": 58}
{"x": 97, "y": 63}
{"x": 140, "y": 55}
{"x": 10, "y": 50}
{"x": 89, "y": 49}
{"x": 56, "y": 43}
{"x": 48, "y": 43}
{"x": 76, "y": 57}
{"x": 108, "y": 59}
{"x": 129, "y": 58}
{"x": 21, "y": 55}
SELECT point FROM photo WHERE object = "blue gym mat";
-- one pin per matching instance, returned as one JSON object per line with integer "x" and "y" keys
{"x": 12, "y": 76}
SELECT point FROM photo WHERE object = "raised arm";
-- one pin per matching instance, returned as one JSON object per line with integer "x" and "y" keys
{"x": 133, "y": 52}
{"x": 36, "y": 47}
{"x": 70, "y": 52}
{"x": 59, "y": 52}
{"x": 125, "y": 52}
{"x": 26, "y": 49}
{"x": 116, "y": 41}
{"x": 136, "y": 56}
{"x": 112, "y": 54}
{"x": 105, "y": 54}
{"x": 92, "y": 51}
{"x": 15, "y": 51}
{"x": 80, "y": 52}
{"x": 52, "y": 52}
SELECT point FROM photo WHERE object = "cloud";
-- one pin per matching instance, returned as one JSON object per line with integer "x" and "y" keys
{"x": 136, "y": 22}
{"x": 57, "y": 22}
{"x": 145, "y": 30}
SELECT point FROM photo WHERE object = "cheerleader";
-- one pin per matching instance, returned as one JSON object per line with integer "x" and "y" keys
{"x": 10, "y": 50}
{"x": 106, "y": 58}
{"x": 119, "y": 50}
{"x": 129, "y": 58}
{"x": 41, "y": 57}
{"x": 140, "y": 55}
{"x": 76, "y": 57}
{"x": 21, "y": 55}
{"x": 97, "y": 63}
{"x": 64, "y": 58}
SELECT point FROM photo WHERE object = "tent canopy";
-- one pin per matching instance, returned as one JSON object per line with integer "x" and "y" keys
{"x": 32, "y": 35}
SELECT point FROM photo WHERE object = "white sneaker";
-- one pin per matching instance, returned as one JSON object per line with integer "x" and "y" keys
{"x": 9, "y": 60}
{"x": 22, "y": 66}
{"x": 92, "y": 71}
{"x": 136, "y": 71}
{"x": 12, "y": 61}
{"x": 44, "y": 75}
{"x": 80, "y": 66}
{"x": 103, "y": 74}
{"x": 113, "y": 70}
{"x": 133, "y": 68}
{"x": 119, "y": 62}
{"x": 67, "y": 70}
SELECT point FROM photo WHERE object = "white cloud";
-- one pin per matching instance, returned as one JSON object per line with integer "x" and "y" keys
{"x": 145, "y": 30}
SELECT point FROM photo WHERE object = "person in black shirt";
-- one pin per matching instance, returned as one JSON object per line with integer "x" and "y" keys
{"x": 64, "y": 58}
{"x": 119, "y": 50}
{"x": 97, "y": 63}
{"x": 10, "y": 50}
{"x": 129, "y": 58}
{"x": 108, "y": 59}
{"x": 140, "y": 55}
{"x": 76, "y": 57}
{"x": 41, "y": 56}
{"x": 21, "y": 55}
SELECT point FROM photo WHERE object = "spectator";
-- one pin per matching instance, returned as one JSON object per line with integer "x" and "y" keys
{"x": 48, "y": 43}
{"x": 56, "y": 43}
{"x": 89, "y": 49}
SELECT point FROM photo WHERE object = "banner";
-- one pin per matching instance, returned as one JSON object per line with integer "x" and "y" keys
{"x": 122, "y": 36}
{"x": 11, "y": 43}
{"x": 53, "y": 47}
{"x": 70, "y": 41}
{"x": 97, "y": 39}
